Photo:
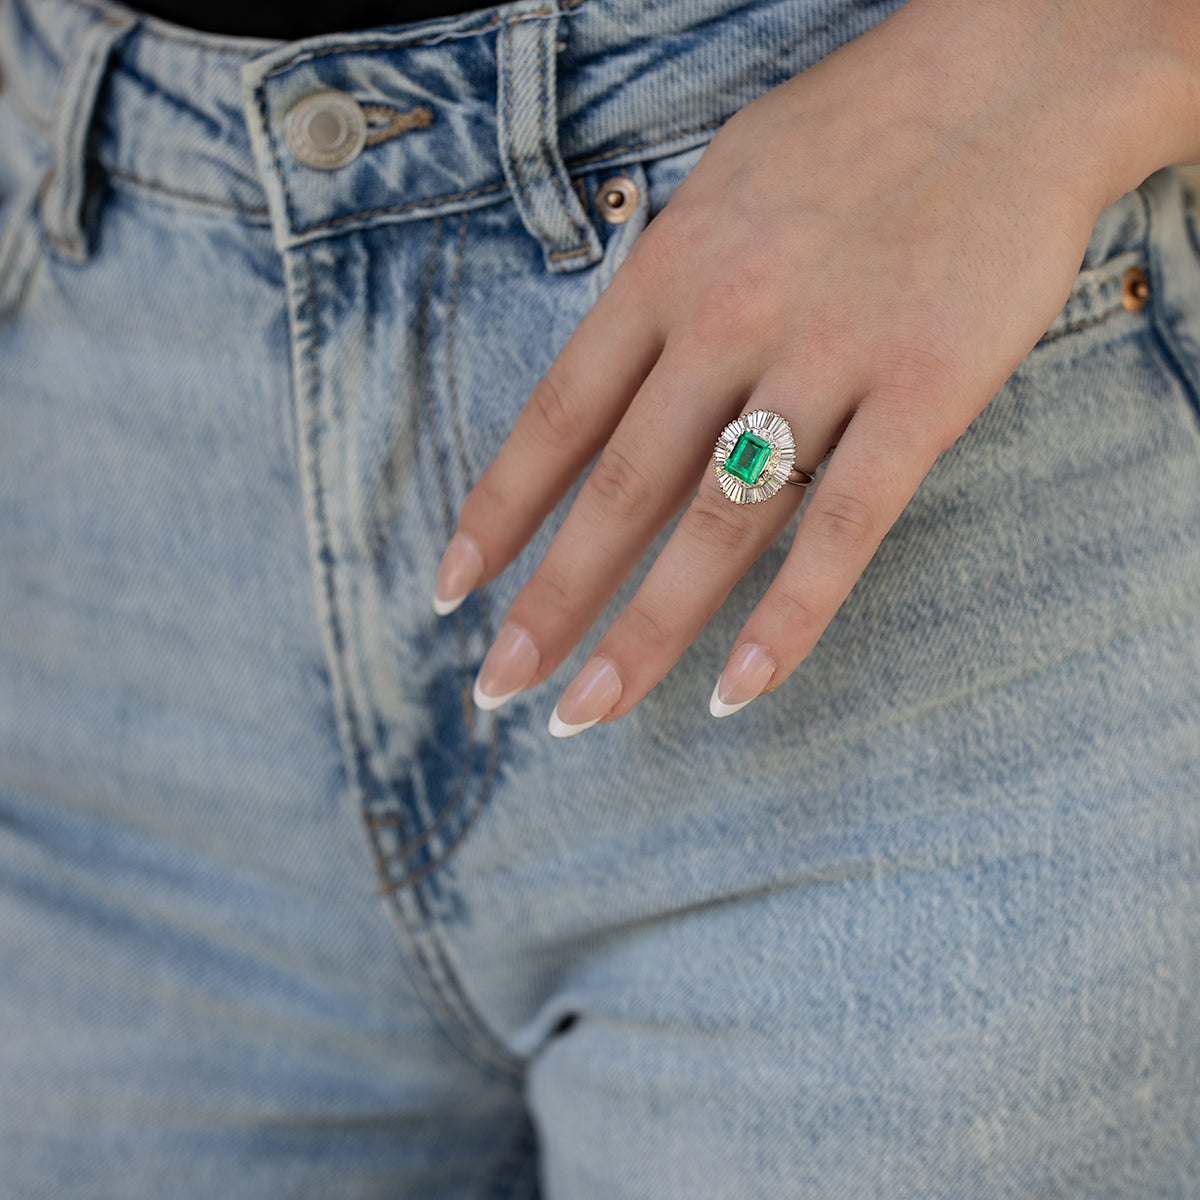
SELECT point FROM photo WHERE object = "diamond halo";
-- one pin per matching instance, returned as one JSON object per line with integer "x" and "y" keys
{"x": 743, "y": 472}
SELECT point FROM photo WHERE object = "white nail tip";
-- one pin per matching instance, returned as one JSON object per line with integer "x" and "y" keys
{"x": 444, "y": 608}
{"x": 486, "y": 702}
{"x": 719, "y": 708}
{"x": 560, "y": 729}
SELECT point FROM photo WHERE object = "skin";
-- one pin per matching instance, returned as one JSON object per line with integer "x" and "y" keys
{"x": 870, "y": 249}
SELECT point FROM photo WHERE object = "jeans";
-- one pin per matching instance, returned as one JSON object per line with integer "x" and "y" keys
{"x": 282, "y": 914}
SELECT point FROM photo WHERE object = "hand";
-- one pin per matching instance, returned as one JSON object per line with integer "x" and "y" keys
{"x": 868, "y": 249}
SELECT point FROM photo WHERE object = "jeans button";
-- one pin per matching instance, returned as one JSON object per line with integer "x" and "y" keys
{"x": 616, "y": 199}
{"x": 326, "y": 130}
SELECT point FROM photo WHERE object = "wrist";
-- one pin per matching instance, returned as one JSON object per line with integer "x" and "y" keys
{"x": 1106, "y": 91}
{"x": 1143, "y": 98}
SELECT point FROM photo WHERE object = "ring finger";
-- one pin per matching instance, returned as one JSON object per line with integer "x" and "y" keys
{"x": 713, "y": 545}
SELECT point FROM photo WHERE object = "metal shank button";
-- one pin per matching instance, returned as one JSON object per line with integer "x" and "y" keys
{"x": 326, "y": 130}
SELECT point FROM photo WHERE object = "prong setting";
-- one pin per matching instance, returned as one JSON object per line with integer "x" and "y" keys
{"x": 742, "y": 473}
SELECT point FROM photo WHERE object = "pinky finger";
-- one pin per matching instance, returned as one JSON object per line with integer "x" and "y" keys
{"x": 869, "y": 480}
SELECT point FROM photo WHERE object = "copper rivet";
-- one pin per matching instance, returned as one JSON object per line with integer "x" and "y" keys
{"x": 616, "y": 199}
{"x": 1135, "y": 289}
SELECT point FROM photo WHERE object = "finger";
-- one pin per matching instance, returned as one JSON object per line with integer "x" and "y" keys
{"x": 879, "y": 463}
{"x": 567, "y": 417}
{"x": 651, "y": 465}
{"x": 709, "y": 550}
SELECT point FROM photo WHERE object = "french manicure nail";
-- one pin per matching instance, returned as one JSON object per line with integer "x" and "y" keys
{"x": 590, "y": 695}
{"x": 509, "y": 665}
{"x": 460, "y": 571}
{"x": 747, "y": 672}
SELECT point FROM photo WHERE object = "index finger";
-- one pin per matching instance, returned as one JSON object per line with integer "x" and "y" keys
{"x": 567, "y": 417}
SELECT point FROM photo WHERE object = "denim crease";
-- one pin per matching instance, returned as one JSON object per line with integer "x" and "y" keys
{"x": 283, "y": 913}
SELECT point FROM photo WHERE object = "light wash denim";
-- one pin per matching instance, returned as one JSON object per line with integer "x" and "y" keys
{"x": 283, "y": 916}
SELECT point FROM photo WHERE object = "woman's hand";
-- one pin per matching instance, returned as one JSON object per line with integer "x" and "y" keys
{"x": 869, "y": 249}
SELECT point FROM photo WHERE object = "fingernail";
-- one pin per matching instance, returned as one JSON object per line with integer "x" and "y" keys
{"x": 747, "y": 672}
{"x": 590, "y": 695}
{"x": 460, "y": 571}
{"x": 509, "y": 665}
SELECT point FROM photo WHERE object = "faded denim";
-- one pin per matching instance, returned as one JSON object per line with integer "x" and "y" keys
{"x": 283, "y": 915}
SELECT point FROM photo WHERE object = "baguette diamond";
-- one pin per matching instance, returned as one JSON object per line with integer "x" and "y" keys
{"x": 753, "y": 456}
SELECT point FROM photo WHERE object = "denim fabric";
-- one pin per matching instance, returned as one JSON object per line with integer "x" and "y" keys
{"x": 283, "y": 915}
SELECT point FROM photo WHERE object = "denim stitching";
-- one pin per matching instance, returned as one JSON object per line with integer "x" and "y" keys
{"x": 370, "y": 47}
{"x": 389, "y": 886}
{"x": 393, "y": 210}
{"x": 395, "y": 121}
{"x": 513, "y": 157}
{"x": 1158, "y": 323}
{"x": 468, "y": 476}
{"x": 37, "y": 123}
{"x": 463, "y": 1026}
{"x": 1086, "y": 323}
{"x": 439, "y": 459}
{"x": 18, "y": 254}
{"x": 551, "y": 152}
{"x": 159, "y": 34}
{"x": 537, "y": 14}
{"x": 451, "y": 374}
{"x": 191, "y": 197}
{"x": 260, "y": 94}
{"x": 396, "y": 208}
{"x": 1108, "y": 283}
{"x": 426, "y": 833}
{"x": 360, "y": 761}
{"x": 325, "y": 555}
{"x": 361, "y": 769}
{"x": 617, "y": 151}
{"x": 454, "y": 806}
{"x": 168, "y": 35}
{"x": 61, "y": 175}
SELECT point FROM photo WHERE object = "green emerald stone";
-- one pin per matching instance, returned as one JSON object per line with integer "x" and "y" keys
{"x": 748, "y": 457}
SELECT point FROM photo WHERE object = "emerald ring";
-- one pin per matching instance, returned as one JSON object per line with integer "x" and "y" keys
{"x": 755, "y": 457}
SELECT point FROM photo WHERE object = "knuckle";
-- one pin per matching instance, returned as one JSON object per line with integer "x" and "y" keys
{"x": 481, "y": 506}
{"x": 647, "y": 627}
{"x": 719, "y": 527}
{"x": 841, "y": 520}
{"x": 548, "y": 403}
{"x": 620, "y": 485}
{"x": 548, "y": 596}
{"x": 916, "y": 371}
{"x": 795, "y": 613}
{"x": 734, "y": 305}
{"x": 657, "y": 251}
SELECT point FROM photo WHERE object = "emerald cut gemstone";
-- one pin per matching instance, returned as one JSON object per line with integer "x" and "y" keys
{"x": 748, "y": 457}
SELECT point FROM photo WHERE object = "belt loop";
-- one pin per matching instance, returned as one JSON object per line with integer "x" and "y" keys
{"x": 64, "y": 188}
{"x": 527, "y": 120}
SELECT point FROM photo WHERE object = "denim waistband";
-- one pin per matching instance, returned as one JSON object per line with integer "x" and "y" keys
{"x": 516, "y": 99}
